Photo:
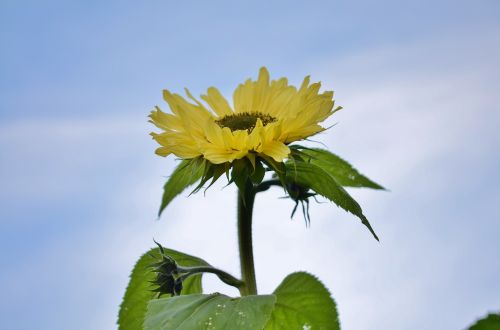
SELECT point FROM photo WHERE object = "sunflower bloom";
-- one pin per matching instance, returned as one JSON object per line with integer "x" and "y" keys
{"x": 265, "y": 117}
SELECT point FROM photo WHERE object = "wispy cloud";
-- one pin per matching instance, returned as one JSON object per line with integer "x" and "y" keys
{"x": 420, "y": 118}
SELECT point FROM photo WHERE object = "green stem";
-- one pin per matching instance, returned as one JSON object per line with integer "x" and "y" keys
{"x": 223, "y": 276}
{"x": 265, "y": 185}
{"x": 246, "y": 200}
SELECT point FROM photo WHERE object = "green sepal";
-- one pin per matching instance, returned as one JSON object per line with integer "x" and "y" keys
{"x": 218, "y": 170}
{"x": 212, "y": 172}
{"x": 241, "y": 172}
{"x": 208, "y": 173}
{"x": 259, "y": 172}
{"x": 187, "y": 173}
{"x": 278, "y": 168}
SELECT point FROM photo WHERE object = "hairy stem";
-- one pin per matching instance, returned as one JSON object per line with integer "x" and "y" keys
{"x": 246, "y": 200}
{"x": 265, "y": 185}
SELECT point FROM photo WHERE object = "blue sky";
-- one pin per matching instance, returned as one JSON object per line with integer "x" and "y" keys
{"x": 81, "y": 186}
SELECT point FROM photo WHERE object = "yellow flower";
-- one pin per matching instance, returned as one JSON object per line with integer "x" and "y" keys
{"x": 266, "y": 116}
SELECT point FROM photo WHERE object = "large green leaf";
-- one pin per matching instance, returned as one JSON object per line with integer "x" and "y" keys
{"x": 187, "y": 173}
{"x": 312, "y": 176}
{"x": 138, "y": 293}
{"x": 339, "y": 169}
{"x": 303, "y": 302}
{"x": 215, "y": 311}
{"x": 491, "y": 322}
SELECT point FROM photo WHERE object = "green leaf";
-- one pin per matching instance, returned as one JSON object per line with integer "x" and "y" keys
{"x": 339, "y": 169}
{"x": 491, "y": 322}
{"x": 215, "y": 311}
{"x": 314, "y": 177}
{"x": 138, "y": 293}
{"x": 186, "y": 174}
{"x": 303, "y": 302}
{"x": 258, "y": 173}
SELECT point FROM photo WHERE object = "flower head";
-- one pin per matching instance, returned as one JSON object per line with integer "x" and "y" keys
{"x": 167, "y": 279}
{"x": 254, "y": 137}
{"x": 265, "y": 117}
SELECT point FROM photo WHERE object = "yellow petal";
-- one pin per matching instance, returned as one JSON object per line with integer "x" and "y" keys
{"x": 277, "y": 150}
{"x": 227, "y": 138}
{"x": 217, "y": 102}
{"x": 219, "y": 155}
{"x": 305, "y": 83}
{"x": 243, "y": 97}
{"x": 165, "y": 121}
{"x": 162, "y": 151}
{"x": 240, "y": 140}
{"x": 254, "y": 139}
{"x": 214, "y": 133}
{"x": 299, "y": 134}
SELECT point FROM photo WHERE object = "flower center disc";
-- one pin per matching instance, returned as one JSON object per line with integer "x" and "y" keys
{"x": 244, "y": 120}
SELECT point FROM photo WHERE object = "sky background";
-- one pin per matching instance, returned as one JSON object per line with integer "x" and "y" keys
{"x": 81, "y": 186}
